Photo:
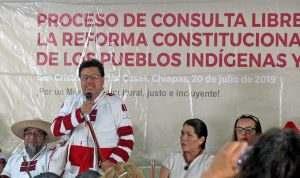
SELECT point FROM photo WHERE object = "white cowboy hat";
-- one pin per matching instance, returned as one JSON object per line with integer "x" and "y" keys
{"x": 18, "y": 128}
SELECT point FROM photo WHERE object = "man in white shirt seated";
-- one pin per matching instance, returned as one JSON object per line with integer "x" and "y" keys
{"x": 33, "y": 159}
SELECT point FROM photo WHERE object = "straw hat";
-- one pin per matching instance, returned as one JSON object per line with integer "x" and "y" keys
{"x": 19, "y": 127}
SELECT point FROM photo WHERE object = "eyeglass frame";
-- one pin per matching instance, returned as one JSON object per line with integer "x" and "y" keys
{"x": 38, "y": 134}
{"x": 93, "y": 77}
{"x": 253, "y": 118}
{"x": 246, "y": 130}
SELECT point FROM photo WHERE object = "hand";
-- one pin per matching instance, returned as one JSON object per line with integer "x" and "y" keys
{"x": 105, "y": 165}
{"x": 224, "y": 164}
{"x": 87, "y": 107}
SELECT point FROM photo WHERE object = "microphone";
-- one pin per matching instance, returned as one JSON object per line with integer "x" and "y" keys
{"x": 186, "y": 167}
{"x": 88, "y": 97}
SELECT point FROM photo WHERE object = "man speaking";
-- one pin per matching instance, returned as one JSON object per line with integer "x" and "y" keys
{"x": 102, "y": 133}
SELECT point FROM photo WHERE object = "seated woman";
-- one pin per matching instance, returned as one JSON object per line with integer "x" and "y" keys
{"x": 191, "y": 161}
{"x": 246, "y": 128}
{"x": 275, "y": 154}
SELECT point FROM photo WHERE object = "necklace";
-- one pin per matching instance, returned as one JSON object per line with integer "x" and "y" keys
{"x": 190, "y": 160}
{"x": 27, "y": 166}
{"x": 30, "y": 165}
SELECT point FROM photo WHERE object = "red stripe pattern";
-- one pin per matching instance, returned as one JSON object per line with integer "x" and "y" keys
{"x": 30, "y": 165}
{"x": 126, "y": 143}
{"x": 124, "y": 131}
{"x": 93, "y": 115}
{"x": 124, "y": 107}
{"x": 121, "y": 153}
{"x": 66, "y": 121}
{"x": 56, "y": 129}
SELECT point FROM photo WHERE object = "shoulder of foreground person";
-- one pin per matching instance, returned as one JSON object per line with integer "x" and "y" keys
{"x": 224, "y": 164}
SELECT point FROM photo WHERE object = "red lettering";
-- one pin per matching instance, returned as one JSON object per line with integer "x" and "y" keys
{"x": 129, "y": 20}
{"x": 99, "y": 19}
{"x": 88, "y": 20}
{"x": 65, "y": 20}
{"x": 155, "y": 41}
{"x": 77, "y": 23}
{"x": 141, "y": 19}
{"x": 67, "y": 38}
{"x": 41, "y": 19}
{"x": 53, "y": 19}
{"x": 141, "y": 59}
{"x": 43, "y": 58}
{"x": 153, "y": 20}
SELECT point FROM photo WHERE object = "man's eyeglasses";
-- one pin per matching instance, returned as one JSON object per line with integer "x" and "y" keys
{"x": 35, "y": 134}
{"x": 247, "y": 130}
{"x": 93, "y": 77}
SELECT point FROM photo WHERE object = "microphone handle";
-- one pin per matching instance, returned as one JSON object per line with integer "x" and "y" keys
{"x": 95, "y": 140}
{"x": 87, "y": 117}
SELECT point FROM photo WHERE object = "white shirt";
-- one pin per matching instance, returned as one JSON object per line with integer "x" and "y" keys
{"x": 175, "y": 163}
{"x": 113, "y": 129}
{"x": 38, "y": 164}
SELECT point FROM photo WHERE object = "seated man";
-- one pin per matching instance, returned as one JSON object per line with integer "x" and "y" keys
{"x": 33, "y": 159}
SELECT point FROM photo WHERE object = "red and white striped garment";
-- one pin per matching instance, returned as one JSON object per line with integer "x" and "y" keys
{"x": 112, "y": 126}
{"x": 16, "y": 167}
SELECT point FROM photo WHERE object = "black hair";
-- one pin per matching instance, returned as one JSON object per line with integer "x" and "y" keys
{"x": 47, "y": 175}
{"x": 92, "y": 63}
{"x": 199, "y": 127}
{"x": 275, "y": 154}
{"x": 89, "y": 174}
{"x": 254, "y": 119}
